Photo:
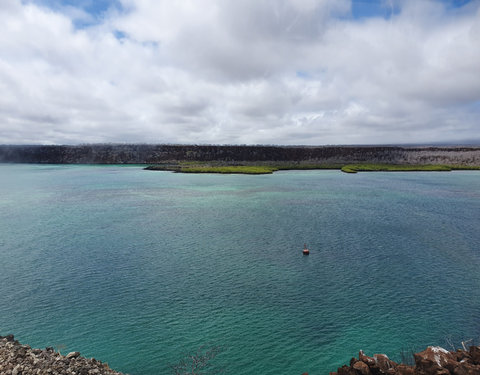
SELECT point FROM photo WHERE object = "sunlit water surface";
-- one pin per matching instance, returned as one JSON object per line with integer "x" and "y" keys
{"x": 138, "y": 268}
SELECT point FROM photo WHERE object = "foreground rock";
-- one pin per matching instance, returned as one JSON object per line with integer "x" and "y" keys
{"x": 432, "y": 361}
{"x": 17, "y": 359}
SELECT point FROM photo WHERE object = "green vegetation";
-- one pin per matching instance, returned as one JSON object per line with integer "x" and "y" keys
{"x": 306, "y": 166}
{"x": 228, "y": 169}
{"x": 354, "y": 168}
{"x": 248, "y": 168}
{"x": 465, "y": 167}
{"x": 268, "y": 168}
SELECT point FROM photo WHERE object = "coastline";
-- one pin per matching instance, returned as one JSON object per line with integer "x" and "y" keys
{"x": 244, "y": 159}
{"x": 266, "y": 168}
{"x": 434, "y": 360}
{"x": 18, "y": 359}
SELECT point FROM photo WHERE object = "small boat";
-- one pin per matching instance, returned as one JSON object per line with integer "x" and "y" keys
{"x": 305, "y": 249}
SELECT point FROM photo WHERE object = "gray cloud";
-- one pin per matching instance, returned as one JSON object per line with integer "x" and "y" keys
{"x": 284, "y": 72}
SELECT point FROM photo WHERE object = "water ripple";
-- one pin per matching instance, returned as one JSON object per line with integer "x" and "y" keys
{"x": 137, "y": 268}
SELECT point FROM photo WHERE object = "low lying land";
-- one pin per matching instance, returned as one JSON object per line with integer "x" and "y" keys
{"x": 354, "y": 168}
{"x": 270, "y": 168}
{"x": 234, "y": 168}
{"x": 251, "y": 159}
{"x": 18, "y": 359}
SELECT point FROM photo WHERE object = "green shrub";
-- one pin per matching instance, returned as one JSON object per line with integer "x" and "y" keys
{"x": 228, "y": 169}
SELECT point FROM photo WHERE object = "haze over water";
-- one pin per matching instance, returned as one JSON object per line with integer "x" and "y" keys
{"x": 136, "y": 267}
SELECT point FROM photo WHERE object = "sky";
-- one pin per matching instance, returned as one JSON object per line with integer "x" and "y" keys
{"x": 284, "y": 72}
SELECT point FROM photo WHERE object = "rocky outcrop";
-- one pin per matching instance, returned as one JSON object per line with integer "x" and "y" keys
{"x": 432, "y": 361}
{"x": 17, "y": 359}
{"x": 151, "y": 154}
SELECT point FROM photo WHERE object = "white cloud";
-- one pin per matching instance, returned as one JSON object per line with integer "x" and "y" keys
{"x": 272, "y": 71}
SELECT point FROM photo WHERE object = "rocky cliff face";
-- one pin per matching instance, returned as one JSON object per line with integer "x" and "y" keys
{"x": 17, "y": 359}
{"x": 151, "y": 154}
{"x": 432, "y": 361}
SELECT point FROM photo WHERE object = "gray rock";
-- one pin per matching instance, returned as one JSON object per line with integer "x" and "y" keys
{"x": 17, "y": 359}
{"x": 73, "y": 355}
{"x": 16, "y": 369}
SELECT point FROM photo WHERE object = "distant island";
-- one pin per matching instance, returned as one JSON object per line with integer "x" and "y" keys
{"x": 268, "y": 168}
{"x": 251, "y": 159}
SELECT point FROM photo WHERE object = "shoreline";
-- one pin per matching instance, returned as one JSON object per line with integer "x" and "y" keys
{"x": 18, "y": 359}
{"x": 256, "y": 169}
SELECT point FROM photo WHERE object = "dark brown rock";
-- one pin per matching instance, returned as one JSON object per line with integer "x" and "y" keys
{"x": 475, "y": 354}
{"x": 346, "y": 370}
{"x": 434, "y": 359}
{"x": 466, "y": 369}
{"x": 464, "y": 356}
{"x": 405, "y": 370}
{"x": 442, "y": 371}
{"x": 383, "y": 362}
{"x": 362, "y": 368}
{"x": 370, "y": 361}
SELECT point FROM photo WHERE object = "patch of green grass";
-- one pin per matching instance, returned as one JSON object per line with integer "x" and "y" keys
{"x": 349, "y": 169}
{"x": 354, "y": 168}
{"x": 465, "y": 167}
{"x": 217, "y": 167}
{"x": 270, "y": 167}
{"x": 306, "y": 166}
{"x": 237, "y": 169}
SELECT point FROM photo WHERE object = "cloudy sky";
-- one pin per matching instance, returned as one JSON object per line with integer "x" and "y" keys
{"x": 292, "y": 72}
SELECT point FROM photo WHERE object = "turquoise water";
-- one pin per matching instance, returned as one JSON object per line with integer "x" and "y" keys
{"x": 137, "y": 267}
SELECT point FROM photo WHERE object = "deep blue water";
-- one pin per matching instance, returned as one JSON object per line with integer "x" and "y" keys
{"x": 137, "y": 267}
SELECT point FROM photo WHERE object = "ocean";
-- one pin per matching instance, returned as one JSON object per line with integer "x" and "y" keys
{"x": 139, "y": 268}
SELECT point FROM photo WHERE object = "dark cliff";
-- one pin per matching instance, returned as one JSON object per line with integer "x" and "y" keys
{"x": 151, "y": 154}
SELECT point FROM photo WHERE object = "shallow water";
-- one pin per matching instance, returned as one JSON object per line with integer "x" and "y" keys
{"x": 138, "y": 267}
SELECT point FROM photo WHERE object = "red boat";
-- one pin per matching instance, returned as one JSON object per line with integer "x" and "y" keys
{"x": 305, "y": 249}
